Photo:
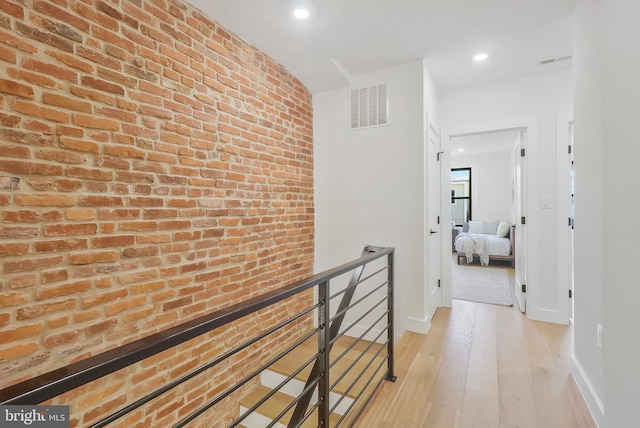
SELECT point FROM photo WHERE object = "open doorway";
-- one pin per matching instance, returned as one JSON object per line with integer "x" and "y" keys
{"x": 491, "y": 142}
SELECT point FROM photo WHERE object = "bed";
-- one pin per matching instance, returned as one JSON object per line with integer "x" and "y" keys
{"x": 487, "y": 241}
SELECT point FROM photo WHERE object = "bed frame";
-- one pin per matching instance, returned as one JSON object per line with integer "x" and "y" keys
{"x": 510, "y": 258}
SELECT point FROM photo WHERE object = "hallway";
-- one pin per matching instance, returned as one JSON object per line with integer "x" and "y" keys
{"x": 481, "y": 365}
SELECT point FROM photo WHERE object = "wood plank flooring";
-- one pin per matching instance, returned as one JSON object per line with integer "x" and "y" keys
{"x": 481, "y": 366}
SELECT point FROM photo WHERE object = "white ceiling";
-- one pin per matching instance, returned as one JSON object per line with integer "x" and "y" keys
{"x": 352, "y": 37}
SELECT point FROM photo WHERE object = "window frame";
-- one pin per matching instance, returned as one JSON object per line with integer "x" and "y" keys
{"x": 454, "y": 199}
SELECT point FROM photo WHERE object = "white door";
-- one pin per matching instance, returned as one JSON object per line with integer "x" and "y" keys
{"x": 520, "y": 247}
{"x": 434, "y": 232}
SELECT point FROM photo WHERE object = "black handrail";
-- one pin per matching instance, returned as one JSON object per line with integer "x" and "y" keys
{"x": 49, "y": 385}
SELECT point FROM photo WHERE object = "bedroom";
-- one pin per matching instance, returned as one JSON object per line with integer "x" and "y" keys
{"x": 483, "y": 211}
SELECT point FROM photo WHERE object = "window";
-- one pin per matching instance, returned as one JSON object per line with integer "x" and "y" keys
{"x": 460, "y": 195}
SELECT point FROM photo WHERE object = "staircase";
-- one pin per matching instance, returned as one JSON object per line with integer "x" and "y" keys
{"x": 355, "y": 372}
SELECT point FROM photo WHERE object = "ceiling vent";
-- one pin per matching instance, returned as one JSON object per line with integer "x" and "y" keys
{"x": 558, "y": 59}
{"x": 369, "y": 107}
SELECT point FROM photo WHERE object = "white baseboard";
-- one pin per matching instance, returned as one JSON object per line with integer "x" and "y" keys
{"x": 588, "y": 392}
{"x": 418, "y": 326}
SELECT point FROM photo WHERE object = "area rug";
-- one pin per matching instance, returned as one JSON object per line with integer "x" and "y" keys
{"x": 481, "y": 284}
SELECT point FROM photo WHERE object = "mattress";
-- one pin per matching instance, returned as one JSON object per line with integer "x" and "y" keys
{"x": 495, "y": 246}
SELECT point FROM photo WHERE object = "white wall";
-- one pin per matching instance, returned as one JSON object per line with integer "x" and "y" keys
{"x": 490, "y": 184}
{"x": 540, "y": 99}
{"x": 369, "y": 184}
{"x": 607, "y": 107}
{"x": 588, "y": 362}
{"x": 621, "y": 153}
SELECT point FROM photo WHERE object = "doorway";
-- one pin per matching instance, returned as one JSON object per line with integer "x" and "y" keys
{"x": 519, "y": 132}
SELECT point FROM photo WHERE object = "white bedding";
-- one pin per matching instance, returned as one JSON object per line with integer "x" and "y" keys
{"x": 480, "y": 243}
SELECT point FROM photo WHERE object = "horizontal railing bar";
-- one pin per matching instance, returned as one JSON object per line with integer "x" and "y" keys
{"x": 242, "y": 382}
{"x": 353, "y": 324}
{"x": 356, "y": 360}
{"x": 120, "y": 413}
{"x": 273, "y": 391}
{"x": 355, "y": 400}
{"x": 311, "y": 386}
{"x": 309, "y": 413}
{"x": 59, "y": 381}
{"x": 345, "y": 310}
{"x": 362, "y": 280}
{"x": 355, "y": 381}
{"x": 359, "y": 339}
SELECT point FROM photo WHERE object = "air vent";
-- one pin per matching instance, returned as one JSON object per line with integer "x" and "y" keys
{"x": 369, "y": 107}
{"x": 558, "y": 59}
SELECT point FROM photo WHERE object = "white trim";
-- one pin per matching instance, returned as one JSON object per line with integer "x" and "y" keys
{"x": 530, "y": 124}
{"x": 418, "y": 326}
{"x": 588, "y": 392}
{"x": 563, "y": 207}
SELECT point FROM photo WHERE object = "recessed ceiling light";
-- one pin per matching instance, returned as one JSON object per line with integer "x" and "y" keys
{"x": 301, "y": 13}
{"x": 480, "y": 57}
{"x": 461, "y": 149}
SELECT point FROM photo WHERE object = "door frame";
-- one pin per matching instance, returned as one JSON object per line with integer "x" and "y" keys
{"x": 530, "y": 125}
{"x": 565, "y": 235}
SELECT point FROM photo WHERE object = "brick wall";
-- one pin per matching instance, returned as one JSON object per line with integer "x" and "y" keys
{"x": 153, "y": 168}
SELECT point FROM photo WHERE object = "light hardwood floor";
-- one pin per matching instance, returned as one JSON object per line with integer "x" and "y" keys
{"x": 481, "y": 366}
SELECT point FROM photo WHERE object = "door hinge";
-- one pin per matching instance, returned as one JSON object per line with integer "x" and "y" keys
{"x": 523, "y": 220}
{"x": 438, "y": 155}
{"x": 438, "y": 219}
{"x": 438, "y": 283}
{"x": 569, "y": 148}
{"x": 522, "y": 152}
{"x": 570, "y": 222}
{"x": 570, "y": 293}
{"x": 524, "y": 288}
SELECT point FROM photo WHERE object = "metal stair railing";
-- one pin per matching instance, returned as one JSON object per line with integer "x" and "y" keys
{"x": 329, "y": 330}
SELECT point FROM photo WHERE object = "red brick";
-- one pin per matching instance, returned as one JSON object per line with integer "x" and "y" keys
{"x": 17, "y": 43}
{"x": 56, "y": 340}
{"x": 66, "y": 102}
{"x": 45, "y": 200}
{"x": 93, "y": 257}
{"x": 19, "y": 333}
{"x": 101, "y": 201}
{"x": 79, "y": 145}
{"x": 70, "y": 229}
{"x": 113, "y": 241}
{"x": 49, "y": 9}
{"x": 32, "y": 109}
{"x": 36, "y": 311}
{"x": 95, "y": 122}
{"x": 61, "y": 246}
{"x": 54, "y": 276}
{"x": 68, "y": 289}
{"x": 99, "y": 299}
{"x": 102, "y": 85}
{"x": 15, "y": 88}
{"x": 17, "y": 351}
{"x": 51, "y": 70}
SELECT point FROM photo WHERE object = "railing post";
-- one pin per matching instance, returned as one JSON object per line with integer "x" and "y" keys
{"x": 390, "y": 316}
{"x": 324, "y": 344}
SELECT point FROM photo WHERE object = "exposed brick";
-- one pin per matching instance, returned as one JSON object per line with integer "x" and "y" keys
{"x": 46, "y": 200}
{"x": 51, "y": 70}
{"x": 17, "y": 351}
{"x": 66, "y": 102}
{"x": 94, "y": 122}
{"x": 15, "y": 88}
{"x": 33, "y": 109}
{"x": 45, "y": 293}
{"x": 36, "y": 311}
{"x": 19, "y": 333}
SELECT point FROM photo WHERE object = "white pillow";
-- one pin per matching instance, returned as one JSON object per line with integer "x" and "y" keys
{"x": 475, "y": 226}
{"x": 484, "y": 227}
{"x": 503, "y": 229}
